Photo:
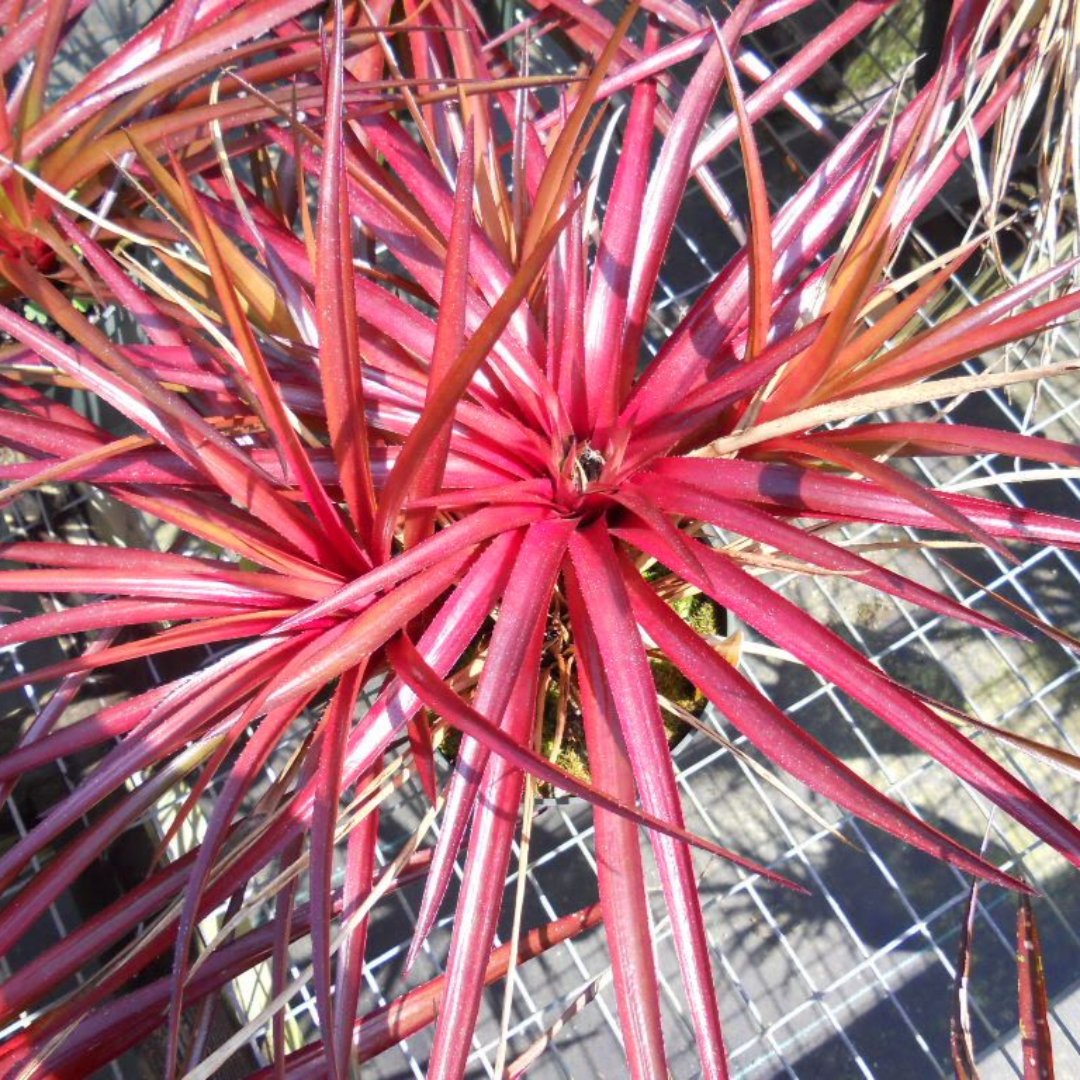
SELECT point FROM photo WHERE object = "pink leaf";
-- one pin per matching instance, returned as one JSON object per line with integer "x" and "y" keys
{"x": 627, "y": 669}
{"x": 785, "y": 742}
{"x": 333, "y": 731}
{"x": 523, "y": 609}
{"x": 609, "y": 283}
{"x": 826, "y": 653}
{"x": 449, "y": 340}
{"x": 335, "y": 302}
{"x": 494, "y": 822}
{"x": 618, "y": 856}
{"x": 836, "y": 498}
{"x": 675, "y": 497}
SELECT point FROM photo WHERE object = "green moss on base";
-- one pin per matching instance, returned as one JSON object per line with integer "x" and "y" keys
{"x": 571, "y": 754}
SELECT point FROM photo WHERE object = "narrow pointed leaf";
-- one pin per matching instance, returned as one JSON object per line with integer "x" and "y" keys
{"x": 785, "y": 742}
{"x": 559, "y": 169}
{"x": 1036, "y": 1045}
{"x": 823, "y": 651}
{"x": 751, "y": 522}
{"x": 895, "y": 482}
{"x": 630, "y": 679}
{"x": 760, "y": 243}
{"x": 618, "y": 856}
{"x": 609, "y": 283}
{"x": 334, "y": 732}
{"x": 494, "y": 822}
{"x": 335, "y": 303}
{"x": 360, "y": 864}
{"x": 817, "y": 494}
{"x": 449, "y": 340}
{"x": 523, "y": 609}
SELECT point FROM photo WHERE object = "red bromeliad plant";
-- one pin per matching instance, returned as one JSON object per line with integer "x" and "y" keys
{"x": 67, "y": 140}
{"x": 64, "y": 140}
{"x": 451, "y": 472}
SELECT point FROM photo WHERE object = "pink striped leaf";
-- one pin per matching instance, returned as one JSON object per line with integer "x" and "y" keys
{"x": 619, "y": 866}
{"x": 609, "y": 283}
{"x": 335, "y": 304}
{"x": 491, "y": 833}
{"x": 826, "y": 653}
{"x": 928, "y": 439}
{"x": 523, "y": 610}
{"x": 785, "y": 742}
{"x": 427, "y": 472}
{"x": 333, "y": 732}
{"x": 749, "y": 521}
{"x": 817, "y": 494}
{"x": 623, "y": 655}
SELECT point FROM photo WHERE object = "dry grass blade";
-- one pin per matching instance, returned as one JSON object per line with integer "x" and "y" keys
{"x": 880, "y": 401}
{"x": 527, "y": 1058}
{"x": 960, "y": 1041}
{"x": 515, "y": 932}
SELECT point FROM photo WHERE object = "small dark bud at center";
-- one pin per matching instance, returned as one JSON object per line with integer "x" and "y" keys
{"x": 588, "y": 465}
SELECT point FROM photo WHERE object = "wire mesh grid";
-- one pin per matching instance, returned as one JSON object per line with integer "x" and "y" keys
{"x": 852, "y": 980}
